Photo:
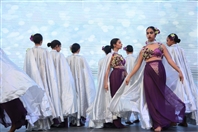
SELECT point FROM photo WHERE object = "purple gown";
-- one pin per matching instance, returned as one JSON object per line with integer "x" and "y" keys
{"x": 116, "y": 79}
{"x": 163, "y": 105}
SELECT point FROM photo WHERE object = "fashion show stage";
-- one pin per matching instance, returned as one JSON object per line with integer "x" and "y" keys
{"x": 128, "y": 128}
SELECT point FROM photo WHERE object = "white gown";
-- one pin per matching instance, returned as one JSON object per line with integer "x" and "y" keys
{"x": 187, "y": 92}
{"x": 98, "y": 113}
{"x": 131, "y": 98}
{"x": 65, "y": 84}
{"x": 16, "y": 84}
{"x": 39, "y": 66}
{"x": 84, "y": 83}
{"x": 130, "y": 61}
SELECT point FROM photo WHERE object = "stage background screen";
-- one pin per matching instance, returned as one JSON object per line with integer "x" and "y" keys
{"x": 93, "y": 24}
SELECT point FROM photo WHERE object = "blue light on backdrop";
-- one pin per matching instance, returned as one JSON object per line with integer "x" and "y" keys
{"x": 93, "y": 24}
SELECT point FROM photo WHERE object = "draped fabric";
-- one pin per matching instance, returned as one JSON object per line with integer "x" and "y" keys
{"x": 15, "y": 85}
{"x": 187, "y": 92}
{"x": 84, "y": 83}
{"x": 98, "y": 113}
{"x": 131, "y": 98}
{"x": 163, "y": 105}
{"x": 130, "y": 61}
{"x": 67, "y": 90}
{"x": 39, "y": 66}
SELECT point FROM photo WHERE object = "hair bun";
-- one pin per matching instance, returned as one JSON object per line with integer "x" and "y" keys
{"x": 49, "y": 44}
{"x": 178, "y": 40}
{"x": 157, "y": 31}
{"x": 31, "y": 38}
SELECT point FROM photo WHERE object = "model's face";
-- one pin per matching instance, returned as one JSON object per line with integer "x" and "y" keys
{"x": 150, "y": 34}
{"x": 58, "y": 48}
{"x": 169, "y": 42}
{"x": 118, "y": 45}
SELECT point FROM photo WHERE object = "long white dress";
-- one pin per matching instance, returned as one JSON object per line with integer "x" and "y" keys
{"x": 187, "y": 92}
{"x": 66, "y": 84}
{"x": 130, "y": 61}
{"x": 39, "y": 66}
{"x": 16, "y": 84}
{"x": 130, "y": 98}
{"x": 84, "y": 83}
{"x": 98, "y": 113}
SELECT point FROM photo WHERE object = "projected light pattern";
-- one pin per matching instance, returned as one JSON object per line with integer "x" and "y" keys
{"x": 94, "y": 24}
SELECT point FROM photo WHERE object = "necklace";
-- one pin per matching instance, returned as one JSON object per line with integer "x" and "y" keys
{"x": 151, "y": 42}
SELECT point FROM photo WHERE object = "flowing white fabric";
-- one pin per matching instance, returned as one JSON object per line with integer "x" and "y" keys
{"x": 130, "y": 98}
{"x": 187, "y": 91}
{"x": 67, "y": 90}
{"x": 98, "y": 113}
{"x": 39, "y": 66}
{"x": 84, "y": 83}
{"x": 16, "y": 84}
{"x": 130, "y": 61}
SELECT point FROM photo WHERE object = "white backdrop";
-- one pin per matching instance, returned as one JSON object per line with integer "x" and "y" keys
{"x": 94, "y": 23}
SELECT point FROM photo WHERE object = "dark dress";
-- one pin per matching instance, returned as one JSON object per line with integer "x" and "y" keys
{"x": 116, "y": 79}
{"x": 163, "y": 105}
{"x": 16, "y": 112}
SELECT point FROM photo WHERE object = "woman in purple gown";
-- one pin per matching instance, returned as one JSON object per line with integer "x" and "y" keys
{"x": 164, "y": 106}
{"x": 117, "y": 75}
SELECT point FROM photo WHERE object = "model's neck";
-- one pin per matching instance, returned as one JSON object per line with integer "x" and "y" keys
{"x": 115, "y": 50}
{"x": 37, "y": 44}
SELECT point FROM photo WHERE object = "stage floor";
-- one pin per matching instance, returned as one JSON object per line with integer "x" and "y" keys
{"x": 131, "y": 128}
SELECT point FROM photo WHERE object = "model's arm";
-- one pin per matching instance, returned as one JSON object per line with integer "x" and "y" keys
{"x": 136, "y": 67}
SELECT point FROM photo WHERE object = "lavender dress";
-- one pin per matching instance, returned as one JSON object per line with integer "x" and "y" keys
{"x": 116, "y": 79}
{"x": 163, "y": 105}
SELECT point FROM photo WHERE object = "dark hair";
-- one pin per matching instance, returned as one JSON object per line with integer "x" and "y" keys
{"x": 113, "y": 41}
{"x": 174, "y": 37}
{"x": 54, "y": 43}
{"x": 75, "y": 47}
{"x": 129, "y": 48}
{"x": 156, "y": 30}
{"x": 106, "y": 49}
{"x": 36, "y": 38}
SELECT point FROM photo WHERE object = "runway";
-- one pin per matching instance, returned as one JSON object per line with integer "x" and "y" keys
{"x": 131, "y": 128}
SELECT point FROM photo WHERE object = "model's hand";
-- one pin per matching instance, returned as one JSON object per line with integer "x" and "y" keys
{"x": 127, "y": 80}
{"x": 181, "y": 77}
{"x": 106, "y": 86}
